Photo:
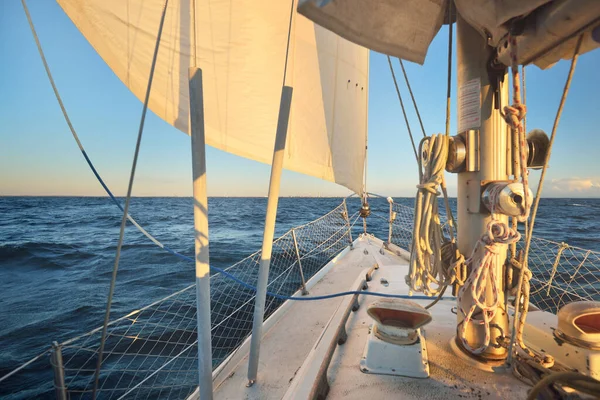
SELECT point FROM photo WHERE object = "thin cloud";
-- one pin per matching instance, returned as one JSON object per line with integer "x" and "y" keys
{"x": 576, "y": 185}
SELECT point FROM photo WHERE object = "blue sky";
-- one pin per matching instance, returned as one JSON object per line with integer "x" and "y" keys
{"x": 38, "y": 155}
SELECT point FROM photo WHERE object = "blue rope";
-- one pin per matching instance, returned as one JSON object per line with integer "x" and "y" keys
{"x": 239, "y": 281}
{"x": 244, "y": 284}
{"x": 101, "y": 180}
{"x": 284, "y": 297}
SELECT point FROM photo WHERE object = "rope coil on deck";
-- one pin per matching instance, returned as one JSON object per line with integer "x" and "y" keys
{"x": 482, "y": 265}
{"x": 482, "y": 274}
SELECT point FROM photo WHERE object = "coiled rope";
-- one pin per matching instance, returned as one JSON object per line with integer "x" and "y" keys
{"x": 434, "y": 261}
{"x": 426, "y": 264}
{"x": 575, "y": 380}
{"x": 482, "y": 274}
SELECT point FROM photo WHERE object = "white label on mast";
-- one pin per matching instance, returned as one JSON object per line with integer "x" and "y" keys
{"x": 469, "y": 105}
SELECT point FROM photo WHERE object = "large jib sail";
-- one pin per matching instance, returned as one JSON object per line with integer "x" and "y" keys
{"x": 241, "y": 49}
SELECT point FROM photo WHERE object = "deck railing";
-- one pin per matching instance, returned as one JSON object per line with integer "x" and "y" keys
{"x": 151, "y": 352}
{"x": 560, "y": 273}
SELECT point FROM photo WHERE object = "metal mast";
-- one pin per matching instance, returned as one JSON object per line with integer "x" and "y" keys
{"x": 485, "y": 135}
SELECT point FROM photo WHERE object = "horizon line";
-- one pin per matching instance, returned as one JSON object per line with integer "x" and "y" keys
{"x": 247, "y": 197}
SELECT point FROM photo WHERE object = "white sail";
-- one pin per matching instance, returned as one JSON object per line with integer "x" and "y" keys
{"x": 241, "y": 49}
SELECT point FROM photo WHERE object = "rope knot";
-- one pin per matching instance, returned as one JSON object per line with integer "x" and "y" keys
{"x": 492, "y": 248}
{"x": 482, "y": 278}
{"x": 428, "y": 271}
{"x": 430, "y": 186}
{"x": 513, "y": 115}
{"x": 499, "y": 232}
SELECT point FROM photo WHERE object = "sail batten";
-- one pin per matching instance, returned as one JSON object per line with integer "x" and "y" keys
{"x": 240, "y": 47}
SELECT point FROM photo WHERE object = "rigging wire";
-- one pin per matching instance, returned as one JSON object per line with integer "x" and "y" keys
{"x": 519, "y": 323}
{"x": 412, "y": 140}
{"x": 365, "y": 162}
{"x": 449, "y": 83}
{"x": 451, "y": 222}
{"x": 125, "y": 209}
{"x": 412, "y": 97}
{"x": 60, "y": 102}
{"x": 128, "y": 201}
{"x": 160, "y": 244}
{"x": 287, "y": 47}
{"x": 438, "y": 263}
{"x": 74, "y": 132}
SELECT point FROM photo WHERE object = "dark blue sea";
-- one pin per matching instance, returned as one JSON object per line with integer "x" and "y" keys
{"x": 57, "y": 255}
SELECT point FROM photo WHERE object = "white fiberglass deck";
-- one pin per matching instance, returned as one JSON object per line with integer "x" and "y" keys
{"x": 295, "y": 331}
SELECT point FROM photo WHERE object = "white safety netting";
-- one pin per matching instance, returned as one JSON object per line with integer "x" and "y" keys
{"x": 152, "y": 352}
{"x": 560, "y": 273}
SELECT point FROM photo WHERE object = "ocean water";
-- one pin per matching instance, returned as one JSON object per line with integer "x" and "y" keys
{"x": 57, "y": 255}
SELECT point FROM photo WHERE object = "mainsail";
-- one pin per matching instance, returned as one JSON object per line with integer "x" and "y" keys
{"x": 241, "y": 49}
